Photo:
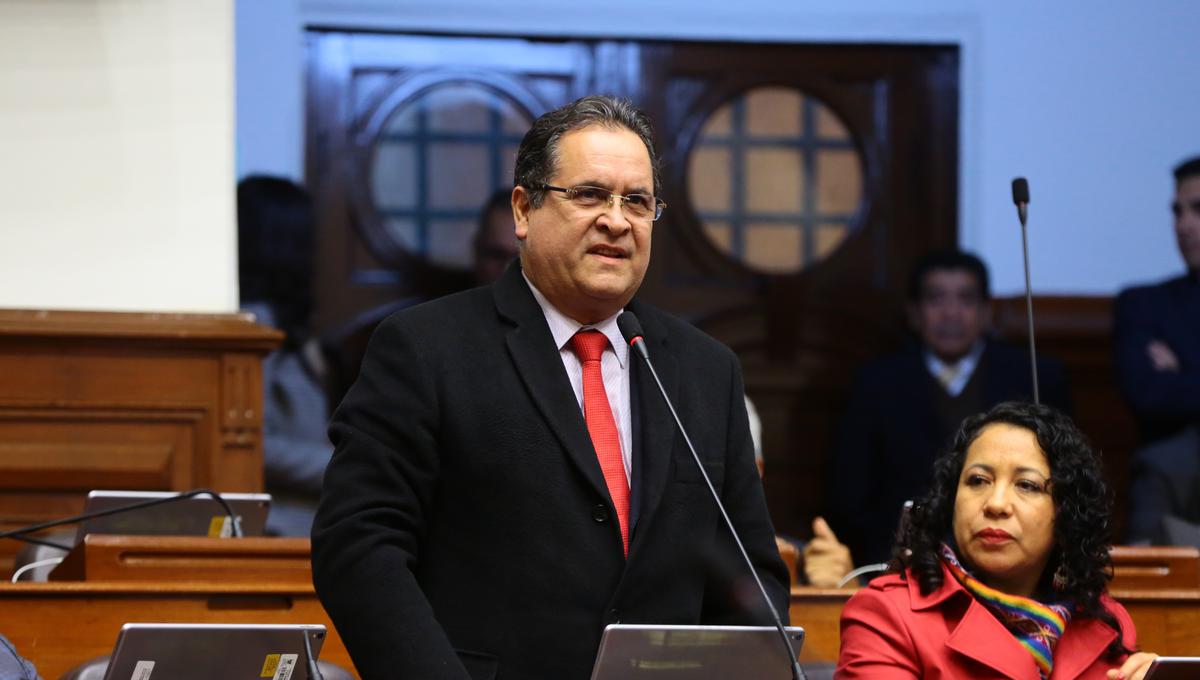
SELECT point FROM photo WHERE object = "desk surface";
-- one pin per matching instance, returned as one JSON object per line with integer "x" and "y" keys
{"x": 60, "y": 625}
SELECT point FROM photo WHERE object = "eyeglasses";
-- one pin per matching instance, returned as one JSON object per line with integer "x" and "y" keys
{"x": 636, "y": 206}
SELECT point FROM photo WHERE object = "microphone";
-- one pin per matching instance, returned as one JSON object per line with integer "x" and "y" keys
{"x": 20, "y": 534}
{"x": 1020, "y": 193}
{"x": 631, "y": 330}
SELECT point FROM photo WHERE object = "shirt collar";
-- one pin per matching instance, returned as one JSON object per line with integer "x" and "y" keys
{"x": 562, "y": 327}
{"x": 965, "y": 365}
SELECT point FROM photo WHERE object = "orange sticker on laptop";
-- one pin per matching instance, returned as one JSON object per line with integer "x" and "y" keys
{"x": 218, "y": 527}
{"x": 269, "y": 665}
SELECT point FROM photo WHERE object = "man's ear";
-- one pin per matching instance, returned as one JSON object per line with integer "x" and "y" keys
{"x": 521, "y": 208}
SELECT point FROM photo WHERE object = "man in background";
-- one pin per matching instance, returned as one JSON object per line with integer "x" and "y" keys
{"x": 1157, "y": 351}
{"x": 494, "y": 246}
{"x": 904, "y": 407}
{"x": 823, "y": 561}
{"x": 276, "y": 251}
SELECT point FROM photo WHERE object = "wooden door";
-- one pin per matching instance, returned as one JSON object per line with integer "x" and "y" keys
{"x": 801, "y": 181}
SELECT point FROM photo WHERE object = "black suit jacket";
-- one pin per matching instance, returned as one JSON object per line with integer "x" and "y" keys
{"x": 465, "y": 529}
{"x": 891, "y": 433}
{"x": 1164, "y": 401}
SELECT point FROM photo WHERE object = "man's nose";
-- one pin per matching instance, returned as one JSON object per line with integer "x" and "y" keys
{"x": 613, "y": 218}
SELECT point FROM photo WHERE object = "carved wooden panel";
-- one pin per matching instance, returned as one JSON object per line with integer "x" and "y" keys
{"x": 124, "y": 400}
{"x": 799, "y": 335}
{"x": 1155, "y": 568}
{"x": 178, "y": 559}
{"x": 76, "y": 622}
{"x": 1077, "y": 330}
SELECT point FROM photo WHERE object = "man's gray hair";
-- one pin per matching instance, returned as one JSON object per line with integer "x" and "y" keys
{"x": 537, "y": 157}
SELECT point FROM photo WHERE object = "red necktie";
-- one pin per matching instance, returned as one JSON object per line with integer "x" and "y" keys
{"x": 589, "y": 347}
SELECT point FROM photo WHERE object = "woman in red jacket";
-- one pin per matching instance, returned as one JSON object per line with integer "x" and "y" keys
{"x": 1001, "y": 569}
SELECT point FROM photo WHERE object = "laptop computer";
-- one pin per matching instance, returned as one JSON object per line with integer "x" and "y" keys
{"x": 630, "y": 652}
{"x": 194, "y": 516}
{"x": 203, "y": 651}
{"x": 1174, "y": 668}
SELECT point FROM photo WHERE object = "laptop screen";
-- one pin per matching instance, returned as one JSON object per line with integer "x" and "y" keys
{"x": 194, "y": 516}
{"x": 632, "y": 652}
{"x": 201, "y": 651}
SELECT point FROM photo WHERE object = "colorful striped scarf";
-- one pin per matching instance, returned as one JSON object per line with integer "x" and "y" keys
{"x": 1036, "y": 626}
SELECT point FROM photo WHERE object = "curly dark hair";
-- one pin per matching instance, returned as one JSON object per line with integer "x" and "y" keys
{"x": 1082, "y": 504}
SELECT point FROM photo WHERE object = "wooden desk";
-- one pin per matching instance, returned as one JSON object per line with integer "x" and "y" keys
{"x": 818, "y": 611}
{"x": 147, "y": 579}
{"x": 57, "y": 626}
{"x": 114, "y": 400}
{"x": 1168, "y": 621}
{"x": 1155, "y": 568}
{"x": 174, "y": 559}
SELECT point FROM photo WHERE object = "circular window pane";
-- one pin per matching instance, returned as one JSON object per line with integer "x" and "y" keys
{"x": 436, "y": 162}
{"x": 776, "y": 180}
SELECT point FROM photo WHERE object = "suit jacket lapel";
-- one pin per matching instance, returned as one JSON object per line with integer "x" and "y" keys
{"x": 657, "y": 427}
{"x": 537, "y": 360}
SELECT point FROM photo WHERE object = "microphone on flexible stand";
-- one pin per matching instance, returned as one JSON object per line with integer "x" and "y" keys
{"x": 20, "y": 534}
{"x": 1020, "y": 193}
{"x": 631, "y": 330}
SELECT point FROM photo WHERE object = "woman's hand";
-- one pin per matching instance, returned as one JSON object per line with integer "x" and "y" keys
{"x": 1134, "y": 668}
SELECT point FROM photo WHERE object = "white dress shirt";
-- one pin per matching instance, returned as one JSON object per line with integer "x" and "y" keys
{"x": 614, "y": 365}
{"x": 962, "y": 369}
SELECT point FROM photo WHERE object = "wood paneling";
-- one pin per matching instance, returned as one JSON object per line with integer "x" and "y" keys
{"x": 57, "y": 626}
{"x": 125, "y": 400}
{"x": 1155, "y": 568}
{"x": 1077, "y": 330}
{"x": 107, "y": 559}
{"x": 799, "y": 335}
{"x": 160, "y": 579}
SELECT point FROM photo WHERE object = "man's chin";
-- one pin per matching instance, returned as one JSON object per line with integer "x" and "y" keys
{"x": 951, "y": 354}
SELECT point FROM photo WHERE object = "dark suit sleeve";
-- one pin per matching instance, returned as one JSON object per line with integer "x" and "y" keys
{"x": 743, "y": 497}
{"x": 1149, "y": 500}
{"x": 377, "y": 494}
{"x": 1152, "y": 393}
{"x": 1054, "y": 388}
{"x": 850, "y": 485}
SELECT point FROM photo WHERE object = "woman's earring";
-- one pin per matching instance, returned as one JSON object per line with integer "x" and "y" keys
{"x": 1060, "y": 578}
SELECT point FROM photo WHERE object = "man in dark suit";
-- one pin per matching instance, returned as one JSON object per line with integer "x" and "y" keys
{"x": 904, "y": 407}
{"x": 474, "y": 523}
{"x": 1157, "y": 339}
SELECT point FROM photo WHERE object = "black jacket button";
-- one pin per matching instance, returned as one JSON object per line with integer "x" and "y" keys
{"x": 600, "y": 514}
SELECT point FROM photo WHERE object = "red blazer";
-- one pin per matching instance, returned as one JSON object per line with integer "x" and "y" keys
{"x": 891, "y": 631}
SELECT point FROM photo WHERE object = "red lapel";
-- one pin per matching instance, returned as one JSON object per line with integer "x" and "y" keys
{"x": 978, "y": 635}
{"x": 1082, "y": 643}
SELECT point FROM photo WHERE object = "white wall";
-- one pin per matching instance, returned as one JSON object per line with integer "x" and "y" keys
{"x": 270, "y": 94}
{"x": 116, "y": 155}
{"x": 1093, "y": 102}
